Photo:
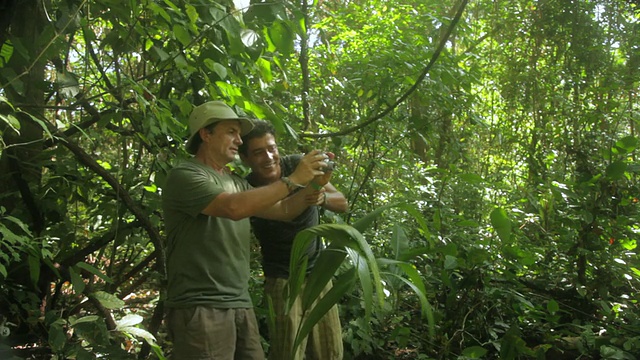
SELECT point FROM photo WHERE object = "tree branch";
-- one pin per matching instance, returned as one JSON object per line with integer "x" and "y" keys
{"x": 413, "y": 88}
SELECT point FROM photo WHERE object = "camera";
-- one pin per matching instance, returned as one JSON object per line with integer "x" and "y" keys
{"x": 329, "y": 161}
{"x": 329, "y": 167}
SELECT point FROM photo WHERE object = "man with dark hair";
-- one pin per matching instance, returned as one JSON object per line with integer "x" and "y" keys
{"x": 260, "y": 151}
{"x": 206, "y": 212}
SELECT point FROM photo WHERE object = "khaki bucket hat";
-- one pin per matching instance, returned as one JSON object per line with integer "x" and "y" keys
{"x": 212, "y": 112}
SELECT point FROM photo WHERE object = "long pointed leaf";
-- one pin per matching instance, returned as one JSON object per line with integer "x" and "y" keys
{"x": 325, "y": 268}
{"x": 365, "y": 281}
{"x": 342, "y": 284}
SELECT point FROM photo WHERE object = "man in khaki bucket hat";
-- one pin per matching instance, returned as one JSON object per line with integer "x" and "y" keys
{"x": 206, "y": 212}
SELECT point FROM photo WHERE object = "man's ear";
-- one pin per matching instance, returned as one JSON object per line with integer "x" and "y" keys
{"x": 204, "y": 132}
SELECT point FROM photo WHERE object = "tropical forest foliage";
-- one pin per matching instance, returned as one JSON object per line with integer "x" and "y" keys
{"x": 488, "y": 150}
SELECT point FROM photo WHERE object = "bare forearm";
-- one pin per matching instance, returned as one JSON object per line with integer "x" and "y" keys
{"x": 336, "y": 202}
{"x": 244, "y": 204}
{"x": 289, "y": 208}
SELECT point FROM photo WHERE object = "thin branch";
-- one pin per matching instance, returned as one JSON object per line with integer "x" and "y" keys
{"x": 414, "y": 87}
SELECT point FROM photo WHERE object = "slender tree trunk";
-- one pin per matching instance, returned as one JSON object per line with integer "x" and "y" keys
{"x": 17, "y": 174}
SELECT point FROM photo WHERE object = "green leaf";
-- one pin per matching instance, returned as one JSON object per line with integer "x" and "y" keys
{"x": 57, "y": 337}
{"x": 76, "y": 280}
{"x": 501, "y": 223}
{"x": 137, "y": 332}
{"x": 84, "y": 319}
{"x": 12, "y": 122}
{"x": 416, "y": 283}
{"x": 324, "y": 269}
{"x": 341, "y": 286}
{"x": 6, "y": 51}
{"x": 616, "y": 170}
{"x": 472, "y": 178}
{"x": 182, "y": 34}
{"x": 418, "y": 216}
{"x": 552, "y": 307}
{"x": 220, "y": 70}
{"x": 68, "y": 84}
{"x": 366, "y": 221}
{"x": 450, "y": 262}
{"x": 107, "y": 300}
{"x": 94, "y": 271}
{"x": 282, "y": 37}
{"x": 467, "y": 223}
{"x": 192, "y": 13}
{"x": 362, "y": 269}
{"x": 128, "y": 321}
{"x": 627, "y": 144}
{"x": 151, "y": 188}
{"x": 474, "y": 352}
{"x": 399, "y": 241}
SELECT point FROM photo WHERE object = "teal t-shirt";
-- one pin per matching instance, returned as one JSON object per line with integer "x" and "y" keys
{"x": 207, "y": 257}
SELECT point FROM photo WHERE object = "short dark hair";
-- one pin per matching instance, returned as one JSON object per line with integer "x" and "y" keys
{"x": 260, "y": 129}
{"x": 197, "y": 140}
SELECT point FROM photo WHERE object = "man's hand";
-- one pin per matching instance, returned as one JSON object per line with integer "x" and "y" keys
{"x": 322, "y": 180}
{"x": 315, "y": 198}
{"x": 308, "y": 168}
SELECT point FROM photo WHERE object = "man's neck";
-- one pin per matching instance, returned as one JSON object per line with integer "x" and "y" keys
{"x": 211, "y": 162}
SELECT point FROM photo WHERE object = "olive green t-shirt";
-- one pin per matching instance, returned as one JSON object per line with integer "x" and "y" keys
{"x": 207, "y": 257}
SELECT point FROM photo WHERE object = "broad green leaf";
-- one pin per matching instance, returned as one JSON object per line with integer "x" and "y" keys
{"x": 265, "y": 69}
{"x": 474, "y": 352}
{"x": 627, "y": 144}
{"x": 182, "y": 34}
{"x": 501, "y": 224}
{"x": 472, "y": 178}
{"x": 616, "y": 170}
{"x": 109, "y": 301}
{"x": 249, "y": 38}
{"x": 68, "y": 84}
{"x": 467, "y": 223}
{"x": 128, "y": 321}
{"x": 281, "y": 36}
{"x": 158, "y": 10}
{"x": 137, "y": 332}
{"x": 192, "y": 13}
{"x": 450, "y": 262}
{"x": 76, "y": 280}
{"x": 552, "y": 307}
{"x": 220, "y": 70}
{"x": 57, "y": 337}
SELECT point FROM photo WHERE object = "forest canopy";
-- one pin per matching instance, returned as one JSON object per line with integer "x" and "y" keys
{"x": 487, "y": 150}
